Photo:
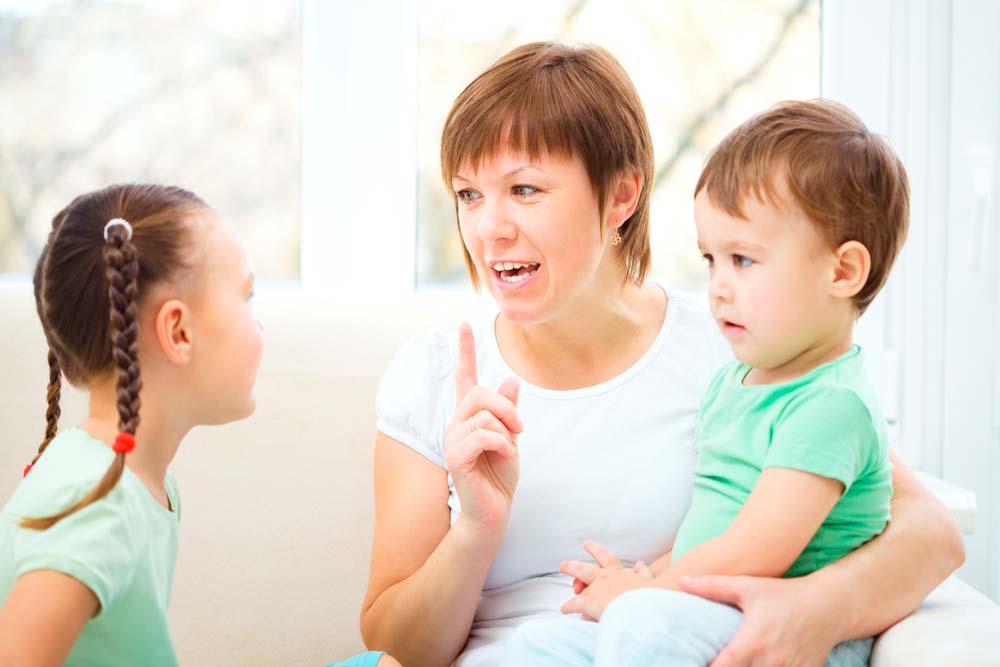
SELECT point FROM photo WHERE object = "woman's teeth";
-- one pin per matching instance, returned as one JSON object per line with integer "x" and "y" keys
{"x": 513, "y": 272}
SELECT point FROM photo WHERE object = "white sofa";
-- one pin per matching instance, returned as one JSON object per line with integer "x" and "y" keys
{"x": 278, "y": 508}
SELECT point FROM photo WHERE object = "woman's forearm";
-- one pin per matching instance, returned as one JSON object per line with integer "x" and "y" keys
{"x": 424, "y": 620}
{"x": 885, "y": 580}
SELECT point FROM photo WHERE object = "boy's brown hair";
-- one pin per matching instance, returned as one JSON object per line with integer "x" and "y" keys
{"x": 848, "y": 181}
{"x": 566, "y": 101}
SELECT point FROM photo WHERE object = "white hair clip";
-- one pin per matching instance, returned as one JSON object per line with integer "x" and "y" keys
{"x": 115, "y": 223}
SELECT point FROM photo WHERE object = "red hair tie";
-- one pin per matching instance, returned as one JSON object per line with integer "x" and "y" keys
{"x": 27, "y": 469}
{"x": 124, "y": 443}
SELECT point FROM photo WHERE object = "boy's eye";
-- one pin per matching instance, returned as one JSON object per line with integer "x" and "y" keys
{"x": 707, "y": 258}
{"x": 742, "y": 262}
{"x": 524, "y": 190}
{"x": 467, "y": 196}
{"x": 251, "y": 295}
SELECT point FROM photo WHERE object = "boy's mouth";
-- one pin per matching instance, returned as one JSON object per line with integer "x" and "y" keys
{"x": 730, "y": 327}
{"x": 514, "y": 272}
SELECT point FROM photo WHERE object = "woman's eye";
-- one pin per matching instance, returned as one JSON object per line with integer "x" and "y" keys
{"x": 741, "y": 261}
{"x": 467, "y": 196}
{"x": 524, "y": 190}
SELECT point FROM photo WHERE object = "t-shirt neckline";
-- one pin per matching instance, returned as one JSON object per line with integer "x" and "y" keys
{"x": 582, "y": 392}
{"x": 133, "y": 479}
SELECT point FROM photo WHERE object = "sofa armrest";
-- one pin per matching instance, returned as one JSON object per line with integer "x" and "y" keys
{"x": 955, "y": 626}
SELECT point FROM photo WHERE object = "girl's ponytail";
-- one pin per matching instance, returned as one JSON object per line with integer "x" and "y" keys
{"x": 105, "y": 249}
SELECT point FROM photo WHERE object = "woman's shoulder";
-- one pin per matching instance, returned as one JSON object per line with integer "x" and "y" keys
{"x": 416, "y": 395}
{"x": 425, "y": 357}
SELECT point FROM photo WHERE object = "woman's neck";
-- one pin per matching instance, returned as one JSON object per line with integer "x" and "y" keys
{"x": 157, "y": 439}
{"x": 590, "y": 341}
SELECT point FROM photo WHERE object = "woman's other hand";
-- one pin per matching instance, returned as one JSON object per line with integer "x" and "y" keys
{"x": 782, "y": 623}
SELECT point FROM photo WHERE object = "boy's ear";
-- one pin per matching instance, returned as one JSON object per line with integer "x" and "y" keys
{"x": 173, "y": 331}
{"x": 852, "y": 265}
{"x": 625, "y": 198}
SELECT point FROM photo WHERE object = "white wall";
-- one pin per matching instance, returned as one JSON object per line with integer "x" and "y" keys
{"x": 926, "y": 73}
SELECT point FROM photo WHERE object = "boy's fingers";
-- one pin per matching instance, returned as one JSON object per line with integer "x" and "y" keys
{"x": 603, "y": 555}
{"x": 643, "y": 570}
{"x": 573, "y": 606}
{"x": 585, "y": 572}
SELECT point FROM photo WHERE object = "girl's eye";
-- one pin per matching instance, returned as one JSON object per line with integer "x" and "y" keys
{"x": 708, "y": 258}
{"x": 467, "y": 196}
{"x": 524, "y": 190}
{"x": 250, "y": 296}
{"x": 742, "y": 262}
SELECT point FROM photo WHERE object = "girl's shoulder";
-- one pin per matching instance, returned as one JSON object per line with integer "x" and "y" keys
{"x": 72, "y": 464}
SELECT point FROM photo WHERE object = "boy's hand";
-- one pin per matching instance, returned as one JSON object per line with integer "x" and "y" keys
{"x": 597, "y": 585}
{"x": 608, "y": 584}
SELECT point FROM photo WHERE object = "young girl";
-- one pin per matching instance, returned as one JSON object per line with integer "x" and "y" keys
{"x": 132, "y": 277}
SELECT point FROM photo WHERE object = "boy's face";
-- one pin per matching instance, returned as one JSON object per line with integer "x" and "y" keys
{"x": 770, "y": 276}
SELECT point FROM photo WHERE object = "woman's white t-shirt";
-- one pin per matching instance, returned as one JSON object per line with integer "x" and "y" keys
{"x": 612, "y": 462}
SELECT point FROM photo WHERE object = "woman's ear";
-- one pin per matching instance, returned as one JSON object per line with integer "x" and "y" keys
{"x": 852, "y": 265}
{"x": 624, "y": 199}
{"x": 173, "y": 331}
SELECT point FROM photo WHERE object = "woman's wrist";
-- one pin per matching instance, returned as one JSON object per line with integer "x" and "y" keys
{"x": 476, "y": 539}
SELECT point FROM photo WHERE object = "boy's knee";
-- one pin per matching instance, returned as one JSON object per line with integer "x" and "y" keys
{"x": 653, "y": 611}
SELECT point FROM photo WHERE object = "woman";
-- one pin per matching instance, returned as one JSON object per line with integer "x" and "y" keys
{"x": 480, "y": 494}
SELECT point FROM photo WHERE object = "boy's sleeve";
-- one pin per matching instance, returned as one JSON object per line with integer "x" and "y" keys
{"x": 96, "y": 546}
{"x": 827, "y": 431}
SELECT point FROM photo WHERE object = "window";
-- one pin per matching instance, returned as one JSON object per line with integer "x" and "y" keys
{"x": 199, "y": 94}
{"x": 701, "y": 67}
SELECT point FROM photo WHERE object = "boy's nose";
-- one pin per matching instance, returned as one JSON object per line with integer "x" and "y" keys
{"x": 718, "y": 287}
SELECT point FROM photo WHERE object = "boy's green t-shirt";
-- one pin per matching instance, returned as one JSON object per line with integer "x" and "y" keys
{"x": 122, "y": 547}
{"x": 826, "y": 422}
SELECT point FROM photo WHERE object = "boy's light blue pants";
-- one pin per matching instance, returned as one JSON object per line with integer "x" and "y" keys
{"x": 645, "y": 628}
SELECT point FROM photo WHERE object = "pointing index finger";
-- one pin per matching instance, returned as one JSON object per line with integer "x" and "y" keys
{"x": 466, "y": 376}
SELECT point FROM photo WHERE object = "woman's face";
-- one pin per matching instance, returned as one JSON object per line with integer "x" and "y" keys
{"x": 534, "y": 233}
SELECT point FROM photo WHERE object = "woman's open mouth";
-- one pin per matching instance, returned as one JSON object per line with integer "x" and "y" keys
{"x": 513, "y": 273}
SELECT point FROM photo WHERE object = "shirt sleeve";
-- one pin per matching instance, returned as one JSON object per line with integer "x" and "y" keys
{"x": 827, "y": 431}
{"x": 416, "y": 395}
{"x": 97, "y": 546}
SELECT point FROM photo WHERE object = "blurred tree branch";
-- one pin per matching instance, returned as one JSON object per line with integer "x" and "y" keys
{"x": 688, "y": 134}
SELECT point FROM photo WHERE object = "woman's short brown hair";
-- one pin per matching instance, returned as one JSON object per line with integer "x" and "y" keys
{"x": 566, "y": 101}
{"x": 848, "y": 181}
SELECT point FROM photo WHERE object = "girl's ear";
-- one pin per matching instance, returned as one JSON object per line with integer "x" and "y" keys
{"x": 852, "y": 265}
{"x": 173, "y": 331}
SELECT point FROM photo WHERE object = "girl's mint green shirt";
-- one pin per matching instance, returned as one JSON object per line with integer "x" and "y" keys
{"x": 123, "y": 548}
{"x": 827, "y": 422}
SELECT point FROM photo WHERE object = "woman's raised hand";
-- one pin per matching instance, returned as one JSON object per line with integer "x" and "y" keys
{"x": 481, "y": 443}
